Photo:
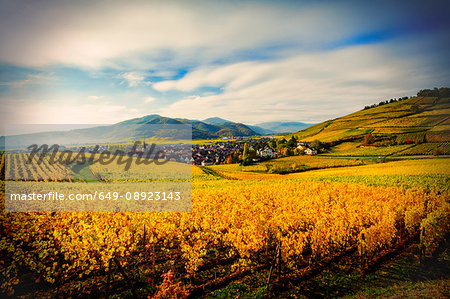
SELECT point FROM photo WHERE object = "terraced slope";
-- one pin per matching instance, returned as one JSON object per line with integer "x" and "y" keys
{"x": 418, "y": 119}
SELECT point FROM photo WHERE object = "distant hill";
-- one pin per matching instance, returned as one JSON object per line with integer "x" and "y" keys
{"x": 283, "y": 127}
{"x": 205, "y": 130}
{"x": 221, "y": 121}
{"x": 217, "y": 121}
{"x": 235, "y": 129}
{"x": 140, "y": 120}
{"x": 133, "y": 129}
{"x": 261, "y": 131}
{"x": 263, "y": 128}
{"x": 418, "y": 119}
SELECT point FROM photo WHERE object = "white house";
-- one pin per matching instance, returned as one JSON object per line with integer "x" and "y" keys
{"x": 266, "y": 152}
{"x": 310, "y": 151}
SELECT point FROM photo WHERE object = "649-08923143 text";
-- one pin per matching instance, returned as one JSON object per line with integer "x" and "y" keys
{"x": 54, "y": 195}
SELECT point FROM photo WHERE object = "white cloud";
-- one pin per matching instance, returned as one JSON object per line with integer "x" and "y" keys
{"x": 39, "y": 78}
{"x": 119, "y": 34}
{"x": 312, "y": 87}
{"x": 95, "y": 98}
{"x": 133, "y": 79}
{"x": 271, "y": 60}
{"x": 149, "y": 100}
{"x": 16, "y": 111}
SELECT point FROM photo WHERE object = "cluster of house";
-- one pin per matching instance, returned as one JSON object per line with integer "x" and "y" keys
{"x": 306, "y": 148}
{"x": 266, "y": 152}
{"x": 208, "y": 154}
{"x": 219, "y": 152}
{"x": 302, "y": 146}
{"x": 214, "y": 153}
{"x": 180, "y": 152}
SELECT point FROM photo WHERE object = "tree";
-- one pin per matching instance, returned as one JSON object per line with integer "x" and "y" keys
{"x": 281, "y": 141}
{"x": 316, "y": 144}
{"x": 246, "y": 159}
{"x": 245, "y": 153}
{"x": 285, "y": 151}
{"x": 436, "y": 152}
{"x": 444, "y": 92}
{"x": 368, "y": 139}
{"x": 229, "y": 160}
{"x": 236, "y": 156}
{"x": 292, "y": 142}
{"x": 273, "y": 143}
{"x": 252, "y": 154}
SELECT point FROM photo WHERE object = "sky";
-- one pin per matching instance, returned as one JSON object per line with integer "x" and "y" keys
{"x": 101, "y": 62}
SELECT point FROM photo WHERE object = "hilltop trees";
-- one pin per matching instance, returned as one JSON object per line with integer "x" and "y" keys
{"x": 443, "y": 92}
{"x": 385, "y": 102}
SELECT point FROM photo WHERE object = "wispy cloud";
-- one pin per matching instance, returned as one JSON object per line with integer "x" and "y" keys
{"x": 95, "y": 98}
{"x": 149, "y": 100}
{"x": 113, "y": 34}
{"x": 134, "y": 79}
{"x": 310, "y": 87}
{"x": 31, "y": 79}
{"x": 17, "y": 111}
{"x": 293, "y": 60}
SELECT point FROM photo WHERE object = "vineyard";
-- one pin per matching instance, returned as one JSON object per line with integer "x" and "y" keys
{"x": 346, "y": 149}
{"x": 356, "y": 150}
{"x": 427, "y": 149}
{"x": 242, "y": 223}
{"x": 418, "y": 119}
{"x": 293, "y": 162}
{"x": 16, "y": 168}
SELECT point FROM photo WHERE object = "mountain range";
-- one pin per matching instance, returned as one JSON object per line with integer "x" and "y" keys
{"x": 418, "y": 119}
{"x": 137, "y": 128}
{"x": 275, "y": 127}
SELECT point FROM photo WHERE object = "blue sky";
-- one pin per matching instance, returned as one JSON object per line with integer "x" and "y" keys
{"x": 247, "y": 61}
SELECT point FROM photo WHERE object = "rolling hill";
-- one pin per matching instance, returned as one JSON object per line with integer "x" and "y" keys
{"x": 283, "y": 127}
{"x": 265, "y": 128}
{"x": 417, "y": 125}
{"x": 133, "y": 129}
{"x": 217, "y": 121}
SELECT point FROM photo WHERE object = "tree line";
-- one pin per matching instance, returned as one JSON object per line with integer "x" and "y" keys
{"x": 443, "y": 92}
{"x": 386, "y": 102}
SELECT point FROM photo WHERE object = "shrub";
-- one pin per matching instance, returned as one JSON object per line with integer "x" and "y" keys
{"x": 170, "y": 289}
{"x": 435, "y": 228}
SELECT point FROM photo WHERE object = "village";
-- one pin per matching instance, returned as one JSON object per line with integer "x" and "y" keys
{"x": 215, "y": 152}
{"x": 228, "y": 152}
